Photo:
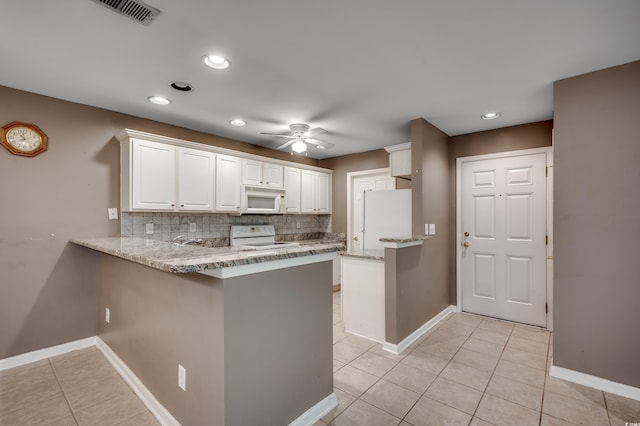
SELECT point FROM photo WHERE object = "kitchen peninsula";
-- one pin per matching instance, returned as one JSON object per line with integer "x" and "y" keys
{"x": 378, "y": 290}
{"x": 252, "y": 329}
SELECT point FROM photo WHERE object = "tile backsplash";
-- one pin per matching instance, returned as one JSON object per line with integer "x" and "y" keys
{"x": 167, "y": 226}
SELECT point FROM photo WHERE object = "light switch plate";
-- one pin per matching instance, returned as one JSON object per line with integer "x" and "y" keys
{"x": 432, "y": 229}
{"x": 182, "y": 377}
{"x": 148, "y": 228}
{"x": 426, "y": 229}
{"x": 113, "y": 213}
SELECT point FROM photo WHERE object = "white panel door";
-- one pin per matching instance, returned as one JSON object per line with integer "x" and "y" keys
{"x": 372, "y": 182}
{"x": 504, "y": 238}
{"x": 195, "y": 179}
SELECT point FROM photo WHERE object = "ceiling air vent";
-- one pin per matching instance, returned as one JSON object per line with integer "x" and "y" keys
{"x": 137, "y": 10}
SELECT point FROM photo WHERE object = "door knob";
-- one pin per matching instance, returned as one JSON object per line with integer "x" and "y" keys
{"x": 466, "y": 234}
{"x": 466, "y": 244}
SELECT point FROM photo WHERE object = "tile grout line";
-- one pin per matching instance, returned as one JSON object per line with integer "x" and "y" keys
{"x": 484, "y": 392}
{"x": 64, "y": 394}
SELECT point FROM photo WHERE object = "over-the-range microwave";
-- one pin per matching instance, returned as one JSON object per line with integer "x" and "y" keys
{"x": 259, "y": 200}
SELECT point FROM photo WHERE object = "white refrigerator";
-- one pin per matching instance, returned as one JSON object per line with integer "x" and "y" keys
{"x": 386, "y": 214}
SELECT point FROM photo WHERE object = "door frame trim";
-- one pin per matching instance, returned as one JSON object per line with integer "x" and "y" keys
{"x": 350, "y": 178}
{"x": 548, "y": 150}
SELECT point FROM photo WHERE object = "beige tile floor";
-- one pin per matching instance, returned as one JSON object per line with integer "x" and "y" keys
{"x": 78, "y": 388}
{"x": 469, "y": 370}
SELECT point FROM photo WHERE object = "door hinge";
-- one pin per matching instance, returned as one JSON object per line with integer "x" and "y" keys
{"x": 546, "y": 171}
{"x": 546, "y": 240}
{"x": 546, "y": 308}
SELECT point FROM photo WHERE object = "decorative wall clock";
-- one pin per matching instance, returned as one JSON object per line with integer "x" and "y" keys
{"x": 23, "y": 139}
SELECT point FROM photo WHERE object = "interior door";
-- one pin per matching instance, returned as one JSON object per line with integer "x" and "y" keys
{"x": 373, "y": 182}
{"x": 504, "y": 238}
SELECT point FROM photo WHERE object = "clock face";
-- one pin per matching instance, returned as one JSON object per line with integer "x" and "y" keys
{"x": 24, "y": 139}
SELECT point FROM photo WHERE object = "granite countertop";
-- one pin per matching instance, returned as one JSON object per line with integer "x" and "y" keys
{"x": 176, "y": 258}
{"x": 379, "y": 253}
{"x": 364, "y": 254}
{"x": 405, "y": 239}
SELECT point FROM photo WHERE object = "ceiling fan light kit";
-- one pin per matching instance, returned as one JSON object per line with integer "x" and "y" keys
{"x": 299, "y": 147}
{"x": 300, "y": 136}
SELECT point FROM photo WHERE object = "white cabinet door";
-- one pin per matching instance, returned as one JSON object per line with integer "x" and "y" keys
{"x": 228, "y": 178}
{"x": 292, "y": 190}
{"x": 308, "y": 191}
{"x": 323, "y": 193}
{"x": 195, "y": 179}
{"x": 315, "y": 192}
{"x": 153, "y": 182}
{"x": 252, "y": 172}
{"x": 257, "y": 173}
{"x": 273, "y": 175}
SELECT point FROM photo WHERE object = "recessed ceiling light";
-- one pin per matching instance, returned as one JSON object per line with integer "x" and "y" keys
{"x": 490, "y": 115}
{"x": 181, "y": 86}
{"x": 238, "y": 122}
{"x": 159, "y": 100}
{"x": 215, "y": 61}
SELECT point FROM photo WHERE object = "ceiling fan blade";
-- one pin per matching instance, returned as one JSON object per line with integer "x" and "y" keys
{"x": 286, "y": 144}
{"x": 279, "y": 135}
{"x": 317, "y": 131}
{"x": 320, "y": 144}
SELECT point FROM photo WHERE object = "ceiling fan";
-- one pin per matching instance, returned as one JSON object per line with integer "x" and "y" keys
{"x": 300, "y": 136}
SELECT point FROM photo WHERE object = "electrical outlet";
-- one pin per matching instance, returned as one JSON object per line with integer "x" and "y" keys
{"x": 192, "y": 227}
{"x": 113, "y": 213}
{"x": 182, "y": 377}
{"x": 297, "y": 225}
{"x": 148, "y": 228}
{"x": 107, "y": 315}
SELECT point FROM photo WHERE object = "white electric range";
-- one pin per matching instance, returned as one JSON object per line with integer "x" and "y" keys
{"x": 257, "y": 237}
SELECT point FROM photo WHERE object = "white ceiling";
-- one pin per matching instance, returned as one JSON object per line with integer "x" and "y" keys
{"x": 361, "y": 69}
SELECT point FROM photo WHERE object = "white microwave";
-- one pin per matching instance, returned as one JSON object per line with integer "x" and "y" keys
{"x": 258, "y": 200}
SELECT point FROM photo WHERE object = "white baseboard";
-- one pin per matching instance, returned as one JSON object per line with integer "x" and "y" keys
{"x": 315, "y": 413}
{"x": 159, "y": 412}
{"x": 595, "y": 382}
{"x": 29, "y": 357}
{"x": 407, "y": 341}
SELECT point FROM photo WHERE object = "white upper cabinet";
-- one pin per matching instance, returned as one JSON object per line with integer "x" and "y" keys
{"x": 315, "y": 192}
{"x": 159, "y": 173}
{"x": 258, "y": 173}
{"x": 400, "y": 160}
{"x": 292, "y": 190}
{"x": 195, "y": 179}
{"x": 152, "y": 177}
{"x": 228, "y": 180}
{"x": 323, "y": 193}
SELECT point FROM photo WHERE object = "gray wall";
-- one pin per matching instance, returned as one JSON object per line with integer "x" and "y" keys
{"x": 405, "y": 293}
{"x": 47, "y": 295}
{"x": 513, "y": 138}
{"x": 341, "y": 166}
{"x": 596, "y": 223}
{"x": 430, "y": 204}
{"x": 257, "y": 348}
